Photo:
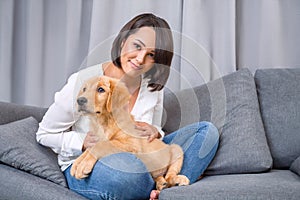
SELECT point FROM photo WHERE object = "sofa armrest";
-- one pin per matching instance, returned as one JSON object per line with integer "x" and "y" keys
{"x": 10, "y": 112}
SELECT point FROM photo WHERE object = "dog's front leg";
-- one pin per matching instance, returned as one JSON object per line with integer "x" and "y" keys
{"x": 84, "y": 164}
{"x": 172, "y": 176}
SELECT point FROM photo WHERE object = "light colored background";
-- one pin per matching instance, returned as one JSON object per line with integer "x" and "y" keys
{"x": 43, "y": 41}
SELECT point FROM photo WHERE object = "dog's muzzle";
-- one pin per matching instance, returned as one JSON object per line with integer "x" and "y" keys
{"x": 81, "y": 101}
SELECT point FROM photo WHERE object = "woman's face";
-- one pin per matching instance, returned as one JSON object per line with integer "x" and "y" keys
{"x": 137, "y": 52}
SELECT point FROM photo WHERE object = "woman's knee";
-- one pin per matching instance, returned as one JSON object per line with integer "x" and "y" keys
{"x": 118, "y": 176}
{"x": 210, "y": 130}
{"x": 210, "y": 133}
{"x": 128, "y": 175}
{"x": 123, "y": 168}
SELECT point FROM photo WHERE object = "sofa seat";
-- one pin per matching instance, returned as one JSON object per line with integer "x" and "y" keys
{"x": 17, "y": 184}
{"x": 276, "y": 184}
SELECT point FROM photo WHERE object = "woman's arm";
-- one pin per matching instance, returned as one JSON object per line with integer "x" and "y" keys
{"x": 55, "y": 128}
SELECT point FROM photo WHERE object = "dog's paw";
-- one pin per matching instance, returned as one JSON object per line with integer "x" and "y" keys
{"x": 178, "y": 180}
{"x": 161, "y": 183}
{"x": 83, "y": 165}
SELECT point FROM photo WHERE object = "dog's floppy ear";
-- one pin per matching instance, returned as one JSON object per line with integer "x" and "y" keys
{"x": 109, "y": 99}
{"x": 118, "y": 95}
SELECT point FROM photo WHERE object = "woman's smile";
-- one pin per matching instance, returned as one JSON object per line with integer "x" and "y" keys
{"x": 137, "y": 53}
{"x": 135, "y": 66}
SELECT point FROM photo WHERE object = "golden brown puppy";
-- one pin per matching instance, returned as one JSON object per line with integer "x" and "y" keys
{"x": 105, "y": 101}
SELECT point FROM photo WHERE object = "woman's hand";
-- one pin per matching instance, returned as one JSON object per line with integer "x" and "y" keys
{"x": 147, "y": 130}
{"x": 90, "y": 140}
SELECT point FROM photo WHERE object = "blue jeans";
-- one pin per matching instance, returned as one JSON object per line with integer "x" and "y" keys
{"x": 123, "y": 176}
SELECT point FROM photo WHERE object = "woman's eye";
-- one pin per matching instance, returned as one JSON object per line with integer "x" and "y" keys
{"x": 151, "y": 55}
{"x": 137, "y": 46}
{"x": 100, "y": 90}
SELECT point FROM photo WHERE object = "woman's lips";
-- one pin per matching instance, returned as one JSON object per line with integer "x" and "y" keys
{"x": 134, "y": 66}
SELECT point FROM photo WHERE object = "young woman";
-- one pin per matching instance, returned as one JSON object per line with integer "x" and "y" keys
{"x": 141, "y": 58}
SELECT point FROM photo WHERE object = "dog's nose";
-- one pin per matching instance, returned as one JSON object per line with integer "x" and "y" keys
{"x": 81, "y": 101}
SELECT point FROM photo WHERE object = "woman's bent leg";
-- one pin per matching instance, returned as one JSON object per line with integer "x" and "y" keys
{"x": 118, "y": 176}
{"x": 199, "y": 142}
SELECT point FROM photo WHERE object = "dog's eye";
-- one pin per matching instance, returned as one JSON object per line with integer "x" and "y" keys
{"x": 101, "y": 90}
{"x": 84, "y": 89}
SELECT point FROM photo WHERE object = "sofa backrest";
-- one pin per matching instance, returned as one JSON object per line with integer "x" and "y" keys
{"x": 10, "y": 112}
{"x": 231, "y": 104}
{"x": 279, "y": 98}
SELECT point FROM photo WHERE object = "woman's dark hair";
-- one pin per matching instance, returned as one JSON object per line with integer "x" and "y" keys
{"x": 159, "y": 73}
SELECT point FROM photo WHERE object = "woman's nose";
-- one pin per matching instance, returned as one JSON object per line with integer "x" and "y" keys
{"x": 141, "y": 56}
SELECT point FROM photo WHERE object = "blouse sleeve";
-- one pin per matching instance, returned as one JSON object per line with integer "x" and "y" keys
{"x": 149, "y": 107}
{"x": 158, "y": 112}
{"x": 55, "y": 128}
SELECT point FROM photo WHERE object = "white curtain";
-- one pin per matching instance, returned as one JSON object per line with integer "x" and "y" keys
{"x": 268, "y": 34}
{"x": 40, "y": 43}
{"x": 43, "y": 41}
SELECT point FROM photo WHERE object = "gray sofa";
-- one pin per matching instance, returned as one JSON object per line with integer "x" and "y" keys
{"x": 258, "y": 118}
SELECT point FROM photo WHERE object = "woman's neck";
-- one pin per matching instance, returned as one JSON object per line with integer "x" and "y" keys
{"x": 132, "y": 83}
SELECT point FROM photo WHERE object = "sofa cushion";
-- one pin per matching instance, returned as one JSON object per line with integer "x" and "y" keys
{"x": 275, "y": 185}
{"x": 279, "y": 98}
{"x": 231, "y": 104}
{"x": 19, "y": 149}
{"x": 295, "y": 167}
{"x": 11, "y": 112}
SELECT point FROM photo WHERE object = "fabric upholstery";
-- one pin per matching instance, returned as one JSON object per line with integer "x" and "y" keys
{"x": 275, "y": 185}
{"x": 295, "y": 167}
{"x": 231, "y": 104}
{"x": 10, "y": 112}
{"x": 279, "y": 97}
{"x": 19, "y": 149}
{"x": 17, "y": 184}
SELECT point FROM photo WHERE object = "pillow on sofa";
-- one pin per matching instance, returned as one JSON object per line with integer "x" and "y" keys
{"x": 231, "y": 104}
{"x": 295, "y": 167}
{"x": 19, "y": 149}
{"x": 279, "y": 98}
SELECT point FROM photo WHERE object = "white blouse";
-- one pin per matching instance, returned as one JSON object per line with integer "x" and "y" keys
{"x": 63, "y": 129}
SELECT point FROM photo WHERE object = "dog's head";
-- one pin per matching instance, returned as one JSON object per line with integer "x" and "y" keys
{"x": 100, "y": 95}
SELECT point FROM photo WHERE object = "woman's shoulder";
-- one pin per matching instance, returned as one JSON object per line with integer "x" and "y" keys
{"x": 76, "y": 79}
{"x": 94, "y": 70}
{"x": 87, "y": 71}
